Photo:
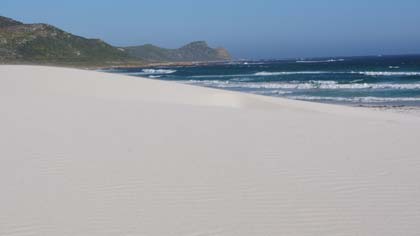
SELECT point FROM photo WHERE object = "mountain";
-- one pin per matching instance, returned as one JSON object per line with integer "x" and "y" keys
{"x": 195, "y": 51}
{"x": 46, "y": 44}
{"x": 5, "y": 22}
{"x": 43, "y": 43}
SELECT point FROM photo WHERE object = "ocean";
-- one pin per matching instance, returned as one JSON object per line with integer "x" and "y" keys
{"x": 357, "y": 81}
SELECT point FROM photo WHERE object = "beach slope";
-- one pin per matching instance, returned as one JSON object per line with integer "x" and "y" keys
{"x": 91, "y": 153}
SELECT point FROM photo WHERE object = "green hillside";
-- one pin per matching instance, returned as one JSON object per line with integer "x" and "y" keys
{"x": 43, "y": 43}
{"x": 46, "y": 44}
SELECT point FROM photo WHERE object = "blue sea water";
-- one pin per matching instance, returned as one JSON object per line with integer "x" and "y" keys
{"x": 366, "y": 81}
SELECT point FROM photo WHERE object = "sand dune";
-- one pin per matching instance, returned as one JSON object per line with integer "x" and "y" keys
{"x": 89, "y": 153}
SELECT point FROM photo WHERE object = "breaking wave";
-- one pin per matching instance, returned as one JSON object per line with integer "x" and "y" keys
{"x": 151, "y": 72}
{"x": 302, "y": 86}
{"x": 368, "y": 73}
{"x": 143, "y": 72}
{"x": 277, "y": 73}
{"x": 265, "y": 73}
{"x": 357, "y": 99}
{"x": 320, "y": 61}
{"x": 350, "y": 80}
{"x": 158, "y": 71}
{"x": 386, "y": 73}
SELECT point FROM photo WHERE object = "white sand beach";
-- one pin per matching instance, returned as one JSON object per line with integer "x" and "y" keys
{"x": 88, "y": 153}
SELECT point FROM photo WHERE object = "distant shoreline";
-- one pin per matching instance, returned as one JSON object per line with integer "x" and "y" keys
{"x": 167, "y": 64}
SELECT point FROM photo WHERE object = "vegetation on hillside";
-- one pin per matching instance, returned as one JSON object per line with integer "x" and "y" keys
{"x": 195, "y": 51}
{"x": 46, "y": 44}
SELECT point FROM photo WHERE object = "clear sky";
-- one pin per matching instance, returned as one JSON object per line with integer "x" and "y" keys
{"x": 248, "y": 28}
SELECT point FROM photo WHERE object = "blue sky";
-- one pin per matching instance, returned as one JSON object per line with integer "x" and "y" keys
{"x": 248, "y": 28}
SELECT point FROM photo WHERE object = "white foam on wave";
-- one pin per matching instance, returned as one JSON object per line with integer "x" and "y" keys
{"x": 368, "y": 73}
{"x": 219, "y": 76}
{"x": 356, "y": 81}
{"x": 296, "y": 85}
{"x": 277, "y": 73}
{"x": 143, "y": 72}
{"x": 320, "y": 61}
{"x": 357, "y": 99}
{"x": 272, "y": 92}
{"x": 265, "y": 73}
{"x": 158, "y": 71}
{"x": 386, "y": 73}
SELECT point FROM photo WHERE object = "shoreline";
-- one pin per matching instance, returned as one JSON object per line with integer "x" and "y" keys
{"x": 404, "y": 109}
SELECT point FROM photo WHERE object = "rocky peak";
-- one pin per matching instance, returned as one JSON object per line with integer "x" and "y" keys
{"x": 6, "y": 22}
{"x": 196, "y": 45}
